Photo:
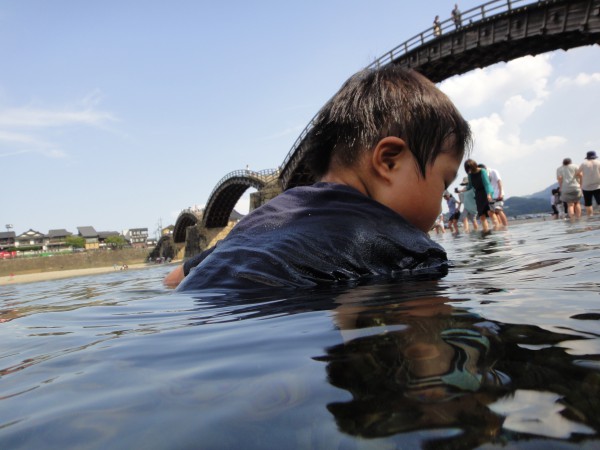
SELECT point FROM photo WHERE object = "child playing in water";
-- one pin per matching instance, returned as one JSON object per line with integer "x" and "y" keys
{"x": 384, "y": 149}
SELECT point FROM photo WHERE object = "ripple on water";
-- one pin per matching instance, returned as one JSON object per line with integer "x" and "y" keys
{"x": 504, "y": 350}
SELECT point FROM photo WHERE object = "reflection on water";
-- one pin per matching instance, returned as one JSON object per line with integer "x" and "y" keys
{"x": 502, "y": 351}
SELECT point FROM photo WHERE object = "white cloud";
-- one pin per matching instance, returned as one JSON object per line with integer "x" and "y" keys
{"x": 22, "y": 129}
{"x": 514, "y": 91}
{"x": 18, "y": 138}
{"x": 496, "y": 143}
{"x": 581, "y": 80}
{"x": 482, "y": 86}
{"x": 26, "y": 117}
{"x": 19, "y": 143}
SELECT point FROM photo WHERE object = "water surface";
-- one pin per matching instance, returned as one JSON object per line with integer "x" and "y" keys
{"x": 504, "y": 350}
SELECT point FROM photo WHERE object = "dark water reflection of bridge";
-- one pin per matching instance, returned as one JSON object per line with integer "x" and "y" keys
{"x": 496, "y": 31}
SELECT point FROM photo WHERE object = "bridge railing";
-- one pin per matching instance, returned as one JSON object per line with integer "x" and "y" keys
{"x": 476, "y": 14}
{"x": 265, "y": 175}
{"x": 190, "y": 210}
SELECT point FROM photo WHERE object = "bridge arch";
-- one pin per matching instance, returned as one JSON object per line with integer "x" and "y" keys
{"x": 228, "y": 191}
{"x": 187, "y": 218}
{"x": 496, "y": 31}
{"x": 164, "y": 248}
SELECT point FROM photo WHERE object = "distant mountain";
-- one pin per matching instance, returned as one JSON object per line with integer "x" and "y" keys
{"x": 520, "y": 206}
{"x": 537, "y": 203}
{"x": 546, "y": 193}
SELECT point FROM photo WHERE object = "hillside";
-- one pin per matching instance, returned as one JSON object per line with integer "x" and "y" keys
{"x": 536, "y": 203}
{"x": 545, "y": 193}
{"x": 519, "y": 206}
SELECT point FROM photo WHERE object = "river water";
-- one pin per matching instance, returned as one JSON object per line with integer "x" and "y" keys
{"x": 502, "y": 352}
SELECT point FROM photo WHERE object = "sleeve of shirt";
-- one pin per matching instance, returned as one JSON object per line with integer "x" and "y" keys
{"x": 486, "y": 183}
{"x": 195, "y": 260}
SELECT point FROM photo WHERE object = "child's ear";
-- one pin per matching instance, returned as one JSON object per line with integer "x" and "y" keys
{"x": 388, "y": 155}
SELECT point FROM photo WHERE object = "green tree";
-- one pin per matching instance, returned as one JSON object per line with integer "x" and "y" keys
{"x": 75, "y": 241}
{"x": 116, "y": 241}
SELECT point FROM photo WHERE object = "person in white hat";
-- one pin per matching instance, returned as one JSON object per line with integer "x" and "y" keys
{"x": 590, "y": 181}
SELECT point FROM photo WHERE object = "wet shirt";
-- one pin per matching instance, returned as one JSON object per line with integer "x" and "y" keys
{"x": 590, "y": 171}
{"x": 570, "y": 183}
{"x": 309, "y": 235}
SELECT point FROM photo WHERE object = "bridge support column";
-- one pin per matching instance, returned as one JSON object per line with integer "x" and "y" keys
{"x": 198, "y": 238}
{"x": 195, "y": 240}
{"x": 262, "y": 196}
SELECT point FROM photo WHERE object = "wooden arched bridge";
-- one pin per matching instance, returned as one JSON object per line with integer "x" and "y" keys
{"x": 496, "y": 31}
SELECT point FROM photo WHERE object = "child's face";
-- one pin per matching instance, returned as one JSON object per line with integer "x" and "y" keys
{"x": 418, "y": 199}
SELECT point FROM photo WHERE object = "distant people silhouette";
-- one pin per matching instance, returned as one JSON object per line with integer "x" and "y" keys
{"x": 456, "y": 16}
{"x": 437, "y": 26}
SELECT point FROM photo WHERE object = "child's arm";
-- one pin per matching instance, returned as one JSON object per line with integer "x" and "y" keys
{"x": 174, "y": 277}
{"x": 177, "y": 275}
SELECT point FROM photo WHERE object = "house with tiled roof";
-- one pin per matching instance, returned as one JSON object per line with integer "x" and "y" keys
{"x": 91, "y": 236}
{"x": 30, "y": 239}
{"x": 57, "y": 239}
{"x": 103, "y": 235}
{"x": 7, "y": 239}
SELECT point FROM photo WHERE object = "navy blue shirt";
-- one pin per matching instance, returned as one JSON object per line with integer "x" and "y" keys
{"x": 311, "y": 235}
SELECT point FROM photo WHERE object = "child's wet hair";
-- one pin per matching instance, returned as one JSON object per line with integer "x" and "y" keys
{"x": 388, "y": 101}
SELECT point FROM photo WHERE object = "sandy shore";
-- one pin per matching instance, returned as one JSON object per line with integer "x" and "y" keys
{"x": 45, "y": 276}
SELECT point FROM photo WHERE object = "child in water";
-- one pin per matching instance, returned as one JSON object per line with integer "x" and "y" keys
{"x": 384, "y": 149}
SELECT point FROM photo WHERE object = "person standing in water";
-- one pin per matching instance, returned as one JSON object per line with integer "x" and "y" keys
{"x": 498, "y": 196}
{"x": 569, "y": 182}
{"x": 589, "y": 171}
{"x": 454, "y": 212}
{"x": 467, "y": 198}
{"x": 480, "y": 181}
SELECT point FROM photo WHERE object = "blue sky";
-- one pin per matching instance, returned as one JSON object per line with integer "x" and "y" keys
{"x": 119, "y": 114}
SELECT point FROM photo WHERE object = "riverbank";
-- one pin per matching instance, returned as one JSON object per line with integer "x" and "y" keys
{"x": 43, "y": 268}
{"x": 70, "y": 261}
{"x": 60, "y": 274}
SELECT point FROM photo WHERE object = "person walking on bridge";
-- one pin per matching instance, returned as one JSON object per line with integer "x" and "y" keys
{"x": 456, "y": 16}
{"x": 437, "y": 26}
